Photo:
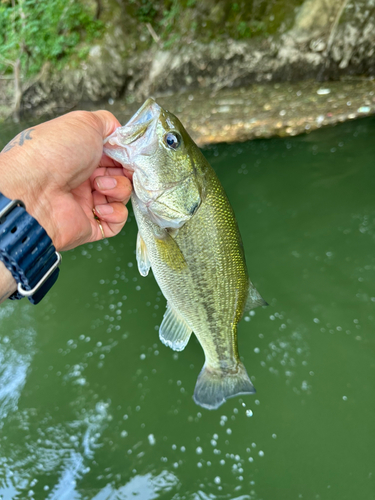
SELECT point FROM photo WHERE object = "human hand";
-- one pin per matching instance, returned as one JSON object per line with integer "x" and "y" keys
{"x": 59, "y": 171}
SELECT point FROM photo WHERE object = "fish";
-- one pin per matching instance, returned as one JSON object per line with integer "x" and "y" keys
{"x": 189, "y": 237}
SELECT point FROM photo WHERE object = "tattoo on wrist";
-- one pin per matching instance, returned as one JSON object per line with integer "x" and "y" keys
{"x": 19, "y": 140}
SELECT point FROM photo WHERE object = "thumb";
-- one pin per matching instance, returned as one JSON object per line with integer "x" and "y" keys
{"x": 107, "y": 122}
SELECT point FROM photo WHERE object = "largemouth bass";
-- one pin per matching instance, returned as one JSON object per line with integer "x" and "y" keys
{"x": 188, "y": 235}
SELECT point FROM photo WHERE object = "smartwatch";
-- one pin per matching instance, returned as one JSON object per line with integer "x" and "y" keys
{"x": 26, "y": 251}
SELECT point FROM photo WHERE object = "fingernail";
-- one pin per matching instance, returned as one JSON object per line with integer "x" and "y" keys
{"x": 104, "y": 209}
{"x": 106, "y": 182}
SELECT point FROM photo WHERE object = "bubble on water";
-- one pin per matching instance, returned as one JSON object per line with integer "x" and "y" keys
{"x": 199, "y": 450}
{"x": 46, "y": 487}
{"x": 215, "y": 436}
{"x": 229, "y": 431}
{"x": 274, "y": 436}
{"x": 213, "y": 442}
{"x": 345, "y": 398}
{"x": 217, "y": 480}
{"x": 123, "y": 434}
{"x": 222, "y": 462}
{"x": 261, "y": 453}
{"x": 251, "y": 459}
{"x": 174, "y": 447}
{"x": 183, "y": 449}
{"x": 199, "y": 464}
{"x": 151, "y": 439}
{"x": 253, "y": 445}
{"x": 249, "y": 413}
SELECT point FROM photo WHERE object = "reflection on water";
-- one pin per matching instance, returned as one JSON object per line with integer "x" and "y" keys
{"x": 17, "y": 347}
{"x": 147, "y": 487}
{"x": 93, "y": 406}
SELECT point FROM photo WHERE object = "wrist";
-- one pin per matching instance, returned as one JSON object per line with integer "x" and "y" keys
{"x": 8, "y": 284}
{"x": 18, "y": 181}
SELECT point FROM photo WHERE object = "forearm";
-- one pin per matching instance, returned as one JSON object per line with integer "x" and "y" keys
{"x": 7, "y": 283}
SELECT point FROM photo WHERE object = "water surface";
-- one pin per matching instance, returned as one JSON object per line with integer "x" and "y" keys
{"x": 93, "y": 406}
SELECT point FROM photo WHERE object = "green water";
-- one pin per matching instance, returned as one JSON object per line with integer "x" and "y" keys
{"x": 93, "y": 406}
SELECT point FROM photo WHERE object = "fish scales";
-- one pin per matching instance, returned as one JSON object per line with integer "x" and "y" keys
{"x": 189, "y": 236}
{"x": 210, "y": 292}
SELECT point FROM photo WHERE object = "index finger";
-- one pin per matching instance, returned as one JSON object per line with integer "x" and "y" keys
{"x": 106, "y": 161}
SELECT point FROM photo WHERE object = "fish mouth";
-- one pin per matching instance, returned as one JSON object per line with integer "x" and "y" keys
{"x": 137, "y": 137}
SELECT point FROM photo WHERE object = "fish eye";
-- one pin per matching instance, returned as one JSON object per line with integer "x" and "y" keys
{"x": 172, "y": 140}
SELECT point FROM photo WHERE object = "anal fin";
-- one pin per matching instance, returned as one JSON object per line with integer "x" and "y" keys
{"x": 174, "y": 332}
{"x": 142, "y": 256}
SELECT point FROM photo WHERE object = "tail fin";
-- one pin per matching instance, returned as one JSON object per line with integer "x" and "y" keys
{"x": 214, "y": 387}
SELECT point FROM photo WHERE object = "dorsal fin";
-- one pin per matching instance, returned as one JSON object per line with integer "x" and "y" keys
{"x": 254, "y": 299}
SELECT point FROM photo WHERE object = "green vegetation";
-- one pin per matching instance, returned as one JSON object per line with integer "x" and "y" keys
{"x": 33, "y": 33}
{"x": 39, "y": 34}
{"x": 207, "y": 20}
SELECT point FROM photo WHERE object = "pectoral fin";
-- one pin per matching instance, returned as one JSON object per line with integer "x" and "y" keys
{"x": 254, "y": 299}
{"x": 170, "y": 252}
{"x": 174, "y": 332}
{"x": 142, "y": 257}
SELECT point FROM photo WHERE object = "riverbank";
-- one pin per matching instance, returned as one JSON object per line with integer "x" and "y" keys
{"x": 258, "y": 58}
{"x": 275, "y": 109}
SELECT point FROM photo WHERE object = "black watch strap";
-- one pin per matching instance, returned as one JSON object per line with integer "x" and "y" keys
{"x": 27, "y": 251}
